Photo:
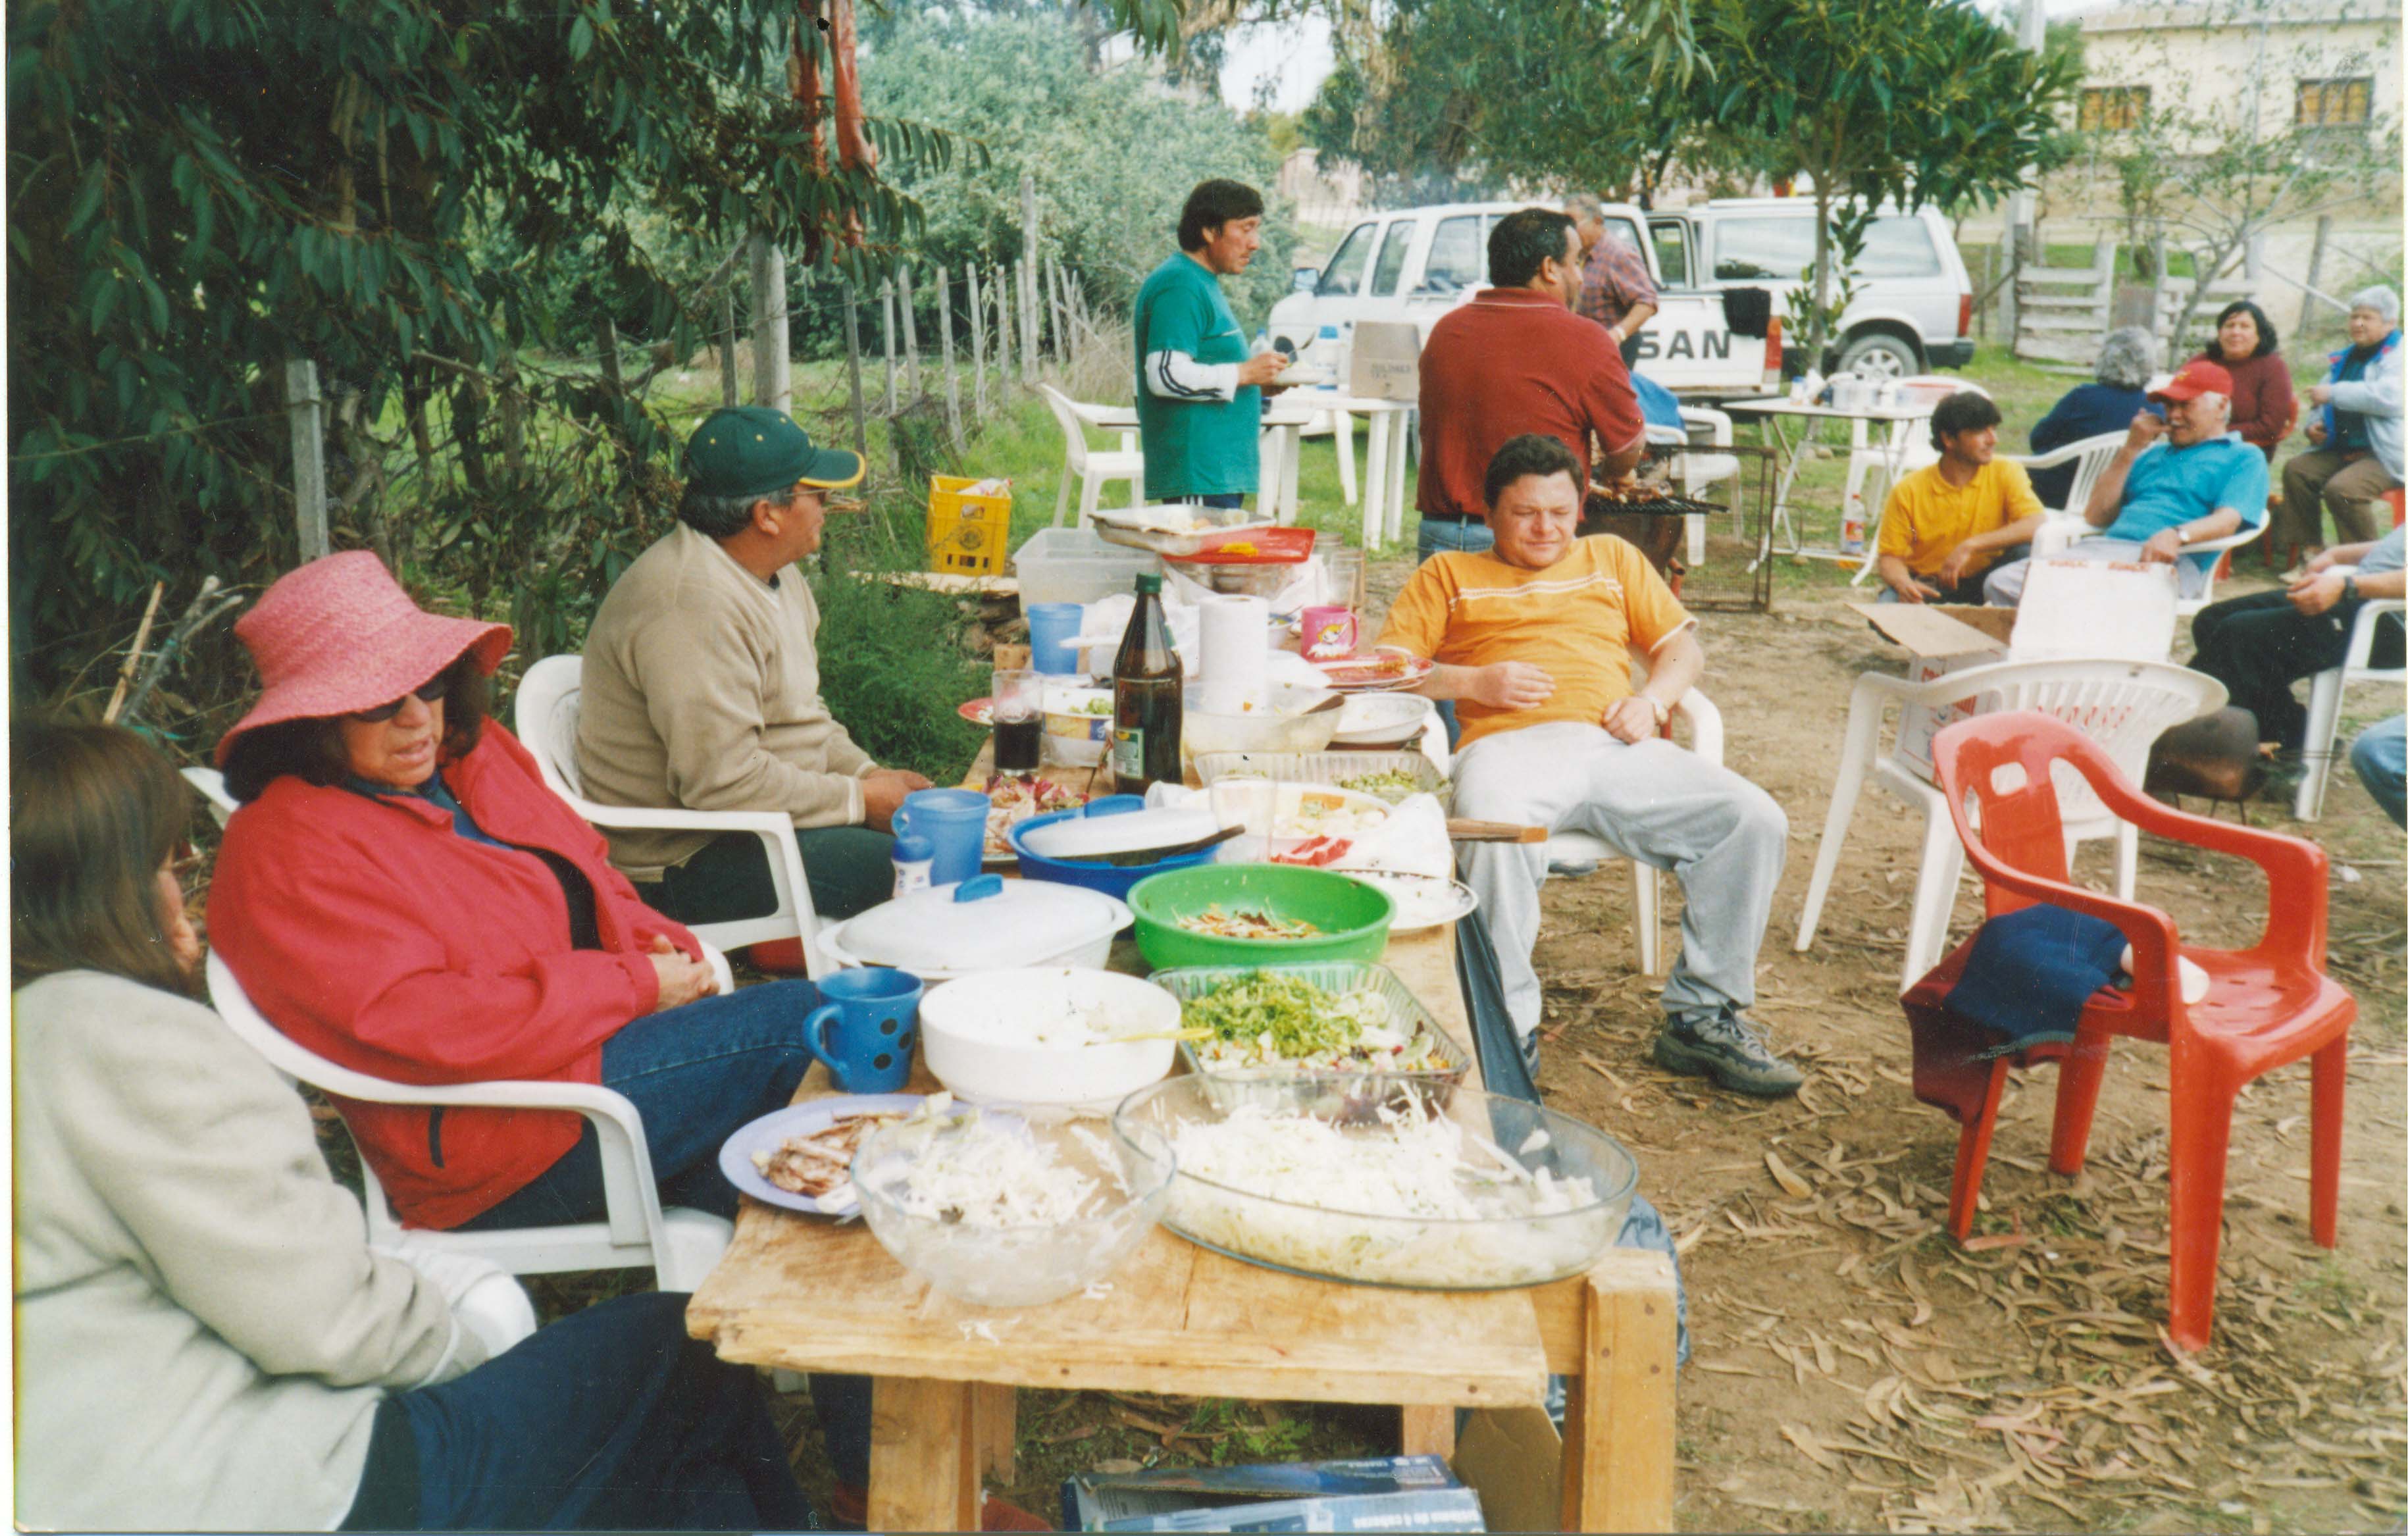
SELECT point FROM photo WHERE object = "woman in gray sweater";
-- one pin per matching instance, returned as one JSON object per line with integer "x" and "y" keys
{"x": 205, "y": 1340}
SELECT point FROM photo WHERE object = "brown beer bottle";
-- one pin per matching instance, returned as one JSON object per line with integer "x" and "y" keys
{"x": 1147, "y": 682}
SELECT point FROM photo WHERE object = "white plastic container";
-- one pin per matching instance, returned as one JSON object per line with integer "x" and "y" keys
{"x": 981, "y": 925}
{"x": 1076, "y": 565}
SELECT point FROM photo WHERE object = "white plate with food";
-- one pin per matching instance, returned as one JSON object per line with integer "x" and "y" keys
{"x": 1422, "y": 901}
{"x": 1375, "y": 671}
{"x": 1012, "y": 800}
{"x": 801, "y": 1157}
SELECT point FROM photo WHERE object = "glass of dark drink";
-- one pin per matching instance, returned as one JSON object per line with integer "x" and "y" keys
{"x": 1019, "y": 719}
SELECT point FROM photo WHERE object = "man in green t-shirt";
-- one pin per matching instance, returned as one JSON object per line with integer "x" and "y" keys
{"x": 1200, "y": 397}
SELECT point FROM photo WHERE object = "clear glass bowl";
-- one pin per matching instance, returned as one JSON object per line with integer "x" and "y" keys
{"x": 1507, "y": 1240}
{"x": 1017, "y": 1266}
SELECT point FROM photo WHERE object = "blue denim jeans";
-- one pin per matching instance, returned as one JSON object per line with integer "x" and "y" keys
{"x": 2379, "y": 755}
{"x": 1439, "y": 534}
{"x": 610, "y": 1419}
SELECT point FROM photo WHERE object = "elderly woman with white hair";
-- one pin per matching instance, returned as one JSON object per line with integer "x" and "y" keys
{"x": 2355, "y": 452}
{"x": 2125, "y": 359}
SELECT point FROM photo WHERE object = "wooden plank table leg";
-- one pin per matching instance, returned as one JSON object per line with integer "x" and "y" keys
{"x": 1618, "y": 1416}
{"x": 994, "y": 1410}
{"x": 1428, "y": 1430}
{"x": 923, "y": 1455}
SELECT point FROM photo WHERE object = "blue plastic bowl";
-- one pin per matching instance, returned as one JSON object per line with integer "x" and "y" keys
{"x": 1111, "y": 879}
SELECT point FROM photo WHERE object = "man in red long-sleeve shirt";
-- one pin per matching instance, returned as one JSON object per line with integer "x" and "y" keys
{"x": 1517, "y": 359}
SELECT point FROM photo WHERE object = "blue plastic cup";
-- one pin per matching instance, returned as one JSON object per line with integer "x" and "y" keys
{"x": 955, "y": 823}
{"x": 1052, "y": 627}
{"x": 866, "y": 1028}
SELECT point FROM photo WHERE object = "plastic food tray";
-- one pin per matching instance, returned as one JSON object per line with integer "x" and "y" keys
{"x": 1211, "y": 525}
{"x": 1318, "y": 767}
{"x": 1338, "y": 976}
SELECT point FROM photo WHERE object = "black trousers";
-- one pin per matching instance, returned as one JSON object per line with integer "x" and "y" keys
{"x": 2258, "y": 646}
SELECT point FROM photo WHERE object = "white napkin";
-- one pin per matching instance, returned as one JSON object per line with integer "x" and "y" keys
{"x": 1412, "y": 841}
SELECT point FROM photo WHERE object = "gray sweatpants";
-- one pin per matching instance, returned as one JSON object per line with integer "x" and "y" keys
{"x": 1723, "y": 838}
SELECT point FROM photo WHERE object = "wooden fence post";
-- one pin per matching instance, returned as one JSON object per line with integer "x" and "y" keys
{"x": 886, "y": 331}
{"x": 910, "y": 327}
{"x": 977, "y": 344}
{"x": 2315, "y": 269}
{"x": 2010, "y": 301}
{"x": 852, "y": 371}
{"x": 1065, "y": 343}
{"x": 1027, "y": 275}
{"x": 945, "y": 340}
{"x": 309, "y": 413}
{"x": 773, "y": 359}
{"x": 1003, "y": 333}
{"x": 727, "y": 346}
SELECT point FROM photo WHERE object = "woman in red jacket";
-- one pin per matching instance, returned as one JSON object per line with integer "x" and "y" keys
{"x": 402, "y": 894}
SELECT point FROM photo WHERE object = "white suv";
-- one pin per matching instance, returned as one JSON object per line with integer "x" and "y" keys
{"x": 1417, "y": 263}
{"x": 1913, "y": 309}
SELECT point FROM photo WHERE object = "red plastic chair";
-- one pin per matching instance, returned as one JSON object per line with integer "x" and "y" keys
{"x": 2266, "y": 1005}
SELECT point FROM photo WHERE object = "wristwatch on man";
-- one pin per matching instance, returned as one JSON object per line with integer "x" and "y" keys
{"x": 2350, "y": 593}
{"x": 2182, "y": 532}
{"x": 1663, "y": 710}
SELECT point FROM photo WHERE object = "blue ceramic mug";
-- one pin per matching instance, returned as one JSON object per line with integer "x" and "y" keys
{"x": 866, "y": 1029}
{"x": 955, "y": 823}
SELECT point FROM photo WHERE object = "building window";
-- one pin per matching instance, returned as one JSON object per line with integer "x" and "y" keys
{"x": 2113, "y": 106}
{"x": 2334, "y": 103}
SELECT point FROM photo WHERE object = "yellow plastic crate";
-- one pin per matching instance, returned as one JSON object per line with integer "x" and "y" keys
{"x": 968, "y": 531}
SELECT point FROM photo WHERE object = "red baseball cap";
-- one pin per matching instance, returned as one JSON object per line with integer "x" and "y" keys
{"x": 2194, "y": 379}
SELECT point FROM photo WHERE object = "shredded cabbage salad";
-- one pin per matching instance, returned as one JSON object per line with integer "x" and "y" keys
{"x": 1382, "y": 1201}
{"x": 1269, "y": 1019}
{"x": 977, "y": 1173}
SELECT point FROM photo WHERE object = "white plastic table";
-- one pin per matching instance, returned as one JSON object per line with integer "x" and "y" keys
{"x": 1891, "y": 455}
{"x": 1383, "y": 474}
{"x": 1281, "y": 447}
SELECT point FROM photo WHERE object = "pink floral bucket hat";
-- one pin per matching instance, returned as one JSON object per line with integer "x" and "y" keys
{"x": 339, "y": 635}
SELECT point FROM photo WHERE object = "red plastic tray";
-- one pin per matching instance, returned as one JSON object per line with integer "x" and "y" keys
{"x": 1255, "y": 547}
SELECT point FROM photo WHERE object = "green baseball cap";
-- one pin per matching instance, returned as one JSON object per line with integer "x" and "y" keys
{"x": 754, "y": 451}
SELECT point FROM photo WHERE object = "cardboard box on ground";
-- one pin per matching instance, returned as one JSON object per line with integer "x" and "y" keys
{"x": 1375, "y": 1493}
{"x": 2073, "y": 610}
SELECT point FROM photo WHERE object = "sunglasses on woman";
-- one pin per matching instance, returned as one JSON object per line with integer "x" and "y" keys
{"x": 428, "y": 692}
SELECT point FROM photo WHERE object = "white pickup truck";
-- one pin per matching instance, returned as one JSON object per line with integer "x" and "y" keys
{"x": 1417, "y": 263}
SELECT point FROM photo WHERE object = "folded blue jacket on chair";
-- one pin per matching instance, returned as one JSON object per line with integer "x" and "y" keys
{"x": 2029, "y": 972}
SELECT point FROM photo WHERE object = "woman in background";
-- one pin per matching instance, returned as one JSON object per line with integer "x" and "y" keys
{"x": 2116, "y": 393}
{"x": 205, "y": 1339}
{"x": 2265, "y": 407}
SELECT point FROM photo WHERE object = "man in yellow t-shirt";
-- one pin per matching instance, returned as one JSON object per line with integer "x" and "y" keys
{"x": 1948, "y": 523}
{"x": 1533, "y": 642}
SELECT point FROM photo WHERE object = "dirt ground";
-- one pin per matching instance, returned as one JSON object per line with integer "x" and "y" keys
{"x": 1854, "y": 1368}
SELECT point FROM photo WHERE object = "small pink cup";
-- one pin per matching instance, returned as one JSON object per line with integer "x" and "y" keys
{"x": 1329, "y": 633}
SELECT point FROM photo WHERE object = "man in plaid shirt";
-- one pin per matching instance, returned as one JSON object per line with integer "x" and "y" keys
{"x": 1615, "y": 290}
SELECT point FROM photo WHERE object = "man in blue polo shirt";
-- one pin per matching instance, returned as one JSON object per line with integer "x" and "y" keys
{"x": 1199, "y": 396}
{"x": 2158, "y": 499}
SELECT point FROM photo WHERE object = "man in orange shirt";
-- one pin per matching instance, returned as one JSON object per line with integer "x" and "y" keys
{"x": 1533, "y": 642}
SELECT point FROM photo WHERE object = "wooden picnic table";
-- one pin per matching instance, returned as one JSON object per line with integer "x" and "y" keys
{"x": 806, "y": 1294}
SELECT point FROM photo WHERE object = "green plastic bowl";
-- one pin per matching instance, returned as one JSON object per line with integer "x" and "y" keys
{"x": 1352, "y": 917}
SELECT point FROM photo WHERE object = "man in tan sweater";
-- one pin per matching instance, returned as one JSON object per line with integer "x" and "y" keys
{"x": 702, "y": 687}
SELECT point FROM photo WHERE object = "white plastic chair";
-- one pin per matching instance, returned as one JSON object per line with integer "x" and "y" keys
{"x": 1696, "y": 470}
{"x": 2089, "y": 458}
{"x": 679, "y": 1245}
{"x": 211, "y": 785}
{"x": 545, "y": 718}
{"x": 1580, "y": 849}
{"x": 2324, "y": 701}
{"x": 2123, "y": 706}
{"x": 1089, "y": 467}
{"x": 2059, "y": 533}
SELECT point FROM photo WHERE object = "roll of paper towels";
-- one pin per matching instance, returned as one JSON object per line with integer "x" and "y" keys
{"x": 1236, "y": 644}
